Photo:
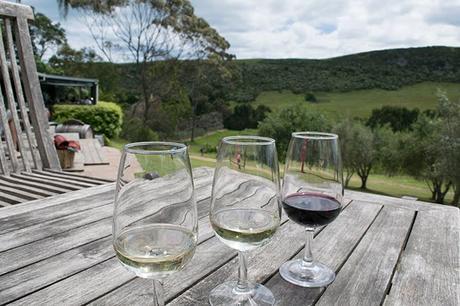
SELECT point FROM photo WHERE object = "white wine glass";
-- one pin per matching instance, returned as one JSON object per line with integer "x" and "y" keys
{"x": 155, "y": 216}
{"x": 245, "y": 210}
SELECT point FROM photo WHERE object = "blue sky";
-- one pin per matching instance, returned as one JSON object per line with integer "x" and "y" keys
{"x": 308, "y": 28}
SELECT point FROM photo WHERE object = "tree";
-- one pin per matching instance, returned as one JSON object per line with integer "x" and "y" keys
{"x": 398, "y": 118}
{"x": 423, "y": 157}
{"x": 449, "y": 112}
{"x": 281, "y": 124}
{"x": 149, "y": 32}
{"x": 207, "y": 83}
{"x": 363, "y": 153}
{"x": 45, "y": 35}
{"x": 244, "y": 116}
{"x": 345, "y": 131}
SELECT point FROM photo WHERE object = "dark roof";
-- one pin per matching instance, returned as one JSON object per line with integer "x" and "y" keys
{"x": 59, "y": 80}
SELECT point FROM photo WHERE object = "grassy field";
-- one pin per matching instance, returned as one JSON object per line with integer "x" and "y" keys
{"x": 360, "y": 103}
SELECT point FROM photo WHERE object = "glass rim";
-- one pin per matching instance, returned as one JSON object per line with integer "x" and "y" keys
{"x": 315, "y": 135}
{"x": 136, "y": 147}
{"x": 248, "y": 140}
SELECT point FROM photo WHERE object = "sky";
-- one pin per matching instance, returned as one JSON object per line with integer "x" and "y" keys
{"x": 308, "y": 28}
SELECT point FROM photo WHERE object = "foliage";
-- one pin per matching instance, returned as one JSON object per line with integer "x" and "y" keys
{"x": 245, "y": 116}
{"x": 104, "y": 117}
{"x": 386, "y": 69}
{"x": 449, "y": 112}
{"x": 398, "y": 118}
{"x": 280, "y": 125}
{"x": 310, "y": 97}
{"x": 423, "y": 157}
{"x": 134, "y": 130}
{"x": 45, "y": 35}
{"x": 358, "y": 147}
{"x": 344, "y": 129}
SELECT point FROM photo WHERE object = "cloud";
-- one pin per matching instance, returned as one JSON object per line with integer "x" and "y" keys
{"x": 310, "y": 29}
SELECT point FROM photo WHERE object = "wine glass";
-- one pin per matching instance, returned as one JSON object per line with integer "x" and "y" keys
{"x": 155, "y": 217}
{"x": 311, "y": 194}
{"x": 245, "y": 210}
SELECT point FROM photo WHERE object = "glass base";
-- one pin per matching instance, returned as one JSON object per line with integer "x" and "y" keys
{"x": 228, "y": 294}
{"x": 314, "y": 275}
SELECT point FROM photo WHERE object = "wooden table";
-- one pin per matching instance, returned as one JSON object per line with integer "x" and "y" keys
{"x": 390, "y": 251}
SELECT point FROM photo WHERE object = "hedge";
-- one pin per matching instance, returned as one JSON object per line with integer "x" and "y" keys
{"x": 104, "y": 117}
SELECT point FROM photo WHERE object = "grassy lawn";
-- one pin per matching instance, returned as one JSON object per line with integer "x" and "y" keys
{"x": 360, "y": 103}
{"x": 396, "y": 186}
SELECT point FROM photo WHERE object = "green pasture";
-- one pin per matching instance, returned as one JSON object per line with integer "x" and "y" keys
{"x": 360, "y": 103}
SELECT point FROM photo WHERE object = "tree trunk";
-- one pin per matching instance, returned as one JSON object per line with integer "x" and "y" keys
{"x": 456, "y": 199}
{"x": 192, "y": 137}
{"x": 348, "y": 177}
{"x": 364, "y": 181}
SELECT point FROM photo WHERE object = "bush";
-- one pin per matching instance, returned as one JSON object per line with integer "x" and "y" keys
{"x": 280, "y": 125}
{"x": 244, "y": 116}
{"x": 135, "y": 130}
{"x": 104, "y": 117}
{"x": 310, "y": 97}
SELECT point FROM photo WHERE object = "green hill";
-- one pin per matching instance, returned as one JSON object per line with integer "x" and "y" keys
{"x": 385, "y": 69}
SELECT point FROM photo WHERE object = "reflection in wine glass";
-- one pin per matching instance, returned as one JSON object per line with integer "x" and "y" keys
{"x": 312, "y": 196}
{"x": 155, "y": 217}
{"x": 245, "y": 210}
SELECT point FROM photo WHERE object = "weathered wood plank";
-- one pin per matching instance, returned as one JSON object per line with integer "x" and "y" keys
{"x": 16, "y": 10}
{"x": 37, "y": 191}
{"x": 68, "y": 203}
{"x": 12, "y": 199}
{"x": 8, "y": 90}
{"x": 88, "y": 177}
{"x": 205, "y": 232}
{"x": 36, "y": 212}
{"x": 366, "y": 275}
{"x": 75, "y": 178}
{"x": 58, "y": 179}
{"x": 63, "y": 241}
{"x": 34, "y": 95}
{"x": 332, "y": 247}
{"x": 429, "y": 269}
{"x": 8, "y": 138}
{"x": 396, "y": 202}
{"x": 83, "y": 258}
{"x": 38, "y": 184}
{"x": 46, "y": 181}
{"x": 91, "y": 149}
{"x": 20, "y": 95}
{"x": 288, "y": 241}
{"x": 28, "y": 196}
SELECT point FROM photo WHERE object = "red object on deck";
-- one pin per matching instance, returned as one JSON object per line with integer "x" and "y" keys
{"x": 62, "y": 143}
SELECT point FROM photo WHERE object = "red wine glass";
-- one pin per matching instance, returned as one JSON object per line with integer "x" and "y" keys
{"x": 311, "y": 194}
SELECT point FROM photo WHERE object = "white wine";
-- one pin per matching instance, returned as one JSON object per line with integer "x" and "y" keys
{"x": 244, "y": 229}
{"x": 155, "y": 251}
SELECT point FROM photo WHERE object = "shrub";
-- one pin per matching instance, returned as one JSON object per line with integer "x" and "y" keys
{"x": 244, "y": 116}
{"x": 104, "y": 117}
{"x": 310, "y": 97}
{"x": 135, "y": 130}
{"x": 280, "y": 125}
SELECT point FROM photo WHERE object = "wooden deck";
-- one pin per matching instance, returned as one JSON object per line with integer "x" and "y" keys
{"x": 386, "y": 251}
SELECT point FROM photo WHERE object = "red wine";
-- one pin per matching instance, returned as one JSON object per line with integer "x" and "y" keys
{"x": 311, "y": 209}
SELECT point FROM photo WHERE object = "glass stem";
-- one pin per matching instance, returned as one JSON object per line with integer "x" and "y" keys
{"x": 158, "y": 298}
{"x": 242, "y": 284}
{"x": 308, "y": 256}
